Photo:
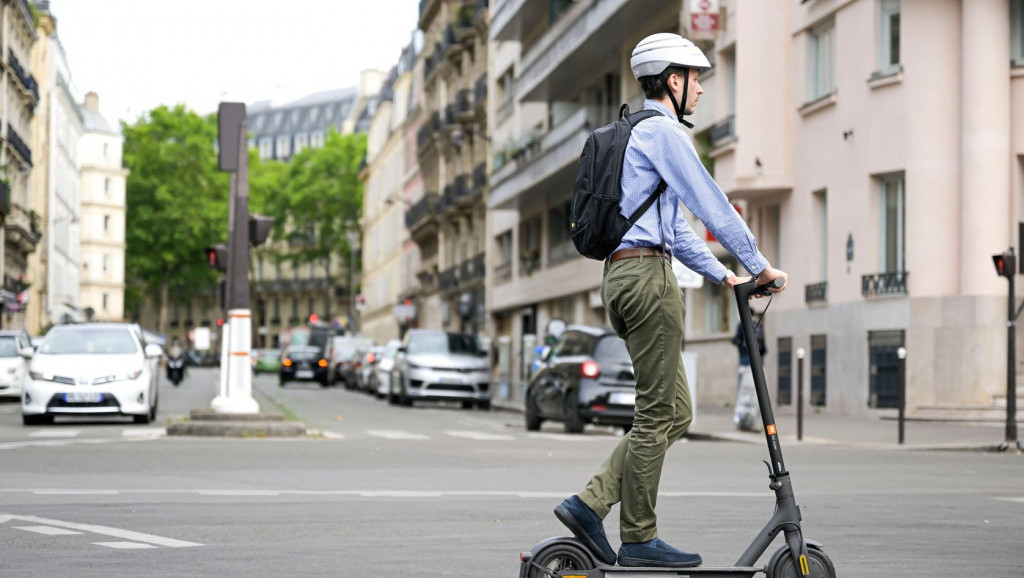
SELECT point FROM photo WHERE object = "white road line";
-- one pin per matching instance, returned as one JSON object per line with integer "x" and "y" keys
{"x": 47, "y": 530}
{"x": 124, "y": 545}
{"x": 1021, "y": 500}
{"x": 59, "y": 433}
{"x": 396, "y": 434}
{"x": 51, "y": 443}
{"x": 65, "y": 492}
{"x": 566, "y": 437}
{"x": 480, "y": 436}
{"x": 107, "y": 531}
{"x": 239, "y": 493}
{"x": 146, "y": 432}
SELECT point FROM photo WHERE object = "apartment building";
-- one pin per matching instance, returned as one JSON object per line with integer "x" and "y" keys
{"x": 387, "y": 254}
{"x": 56, "y": 197}
{"x": 862, "y": 140}
{"x": 448, "y": 222}
{"x": 102, "y": 223}
{"x": 19, "y": 97}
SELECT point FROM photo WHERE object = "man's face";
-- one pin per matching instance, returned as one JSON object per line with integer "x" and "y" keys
{"x": 693, "y": 90}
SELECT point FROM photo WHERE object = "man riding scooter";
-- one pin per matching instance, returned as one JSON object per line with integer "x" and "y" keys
{"x": 176, "y": 363}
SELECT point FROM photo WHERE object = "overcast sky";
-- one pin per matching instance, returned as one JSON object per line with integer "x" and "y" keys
{"x": 139, "y": 54}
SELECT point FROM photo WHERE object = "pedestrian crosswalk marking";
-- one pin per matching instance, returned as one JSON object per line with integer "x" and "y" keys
{"x": 47, "y": 530}
{"x": 124, "y": 545}
{"x": 479, "y": 436}
{"x": 127, "y": 535}
{"x": 60, "y": 433}
{"x": 396, "y": 434}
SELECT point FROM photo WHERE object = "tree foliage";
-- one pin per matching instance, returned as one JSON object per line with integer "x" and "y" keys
{"x": 177, "y": 202}
{"x": 320, "y": 200}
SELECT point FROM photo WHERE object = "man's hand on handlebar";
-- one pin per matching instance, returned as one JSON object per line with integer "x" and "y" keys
{"x": 769, "y": 274}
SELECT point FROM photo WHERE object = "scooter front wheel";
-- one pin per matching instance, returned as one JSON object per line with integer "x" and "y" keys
{"x": 819, "y": 564}
{"x": 559, "y": 558}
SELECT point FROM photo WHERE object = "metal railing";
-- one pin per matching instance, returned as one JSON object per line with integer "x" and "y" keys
{"x": 816, "y": 293}
{"x": 890, "y": 283}
{"x": 723, "y": 131}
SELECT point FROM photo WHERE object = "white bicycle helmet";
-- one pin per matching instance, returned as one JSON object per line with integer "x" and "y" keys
{"x": 659, "y": 51}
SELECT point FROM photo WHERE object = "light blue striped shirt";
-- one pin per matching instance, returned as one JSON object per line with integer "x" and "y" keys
{"x": 659, "y": 148}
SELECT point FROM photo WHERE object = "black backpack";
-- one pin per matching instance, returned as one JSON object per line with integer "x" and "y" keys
{"x": 596, "y": 224}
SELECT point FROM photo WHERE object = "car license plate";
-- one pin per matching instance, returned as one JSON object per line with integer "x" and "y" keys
{"x": 83, "y": 397}
{"x": 451, "y": 381}
{"x": 622, "y": 398}
{"x": 304, "y": 374}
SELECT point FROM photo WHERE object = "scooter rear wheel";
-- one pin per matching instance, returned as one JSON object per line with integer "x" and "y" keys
{"x": 559, "y": 558}
{"x": 818, "y": 563}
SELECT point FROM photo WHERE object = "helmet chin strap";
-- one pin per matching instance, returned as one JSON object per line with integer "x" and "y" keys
{"x": 680, "y": 111}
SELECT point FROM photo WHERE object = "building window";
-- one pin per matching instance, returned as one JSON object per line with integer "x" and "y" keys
{"x": 301, "y": 142}
{"x": 884, "y": 368}
{"x": 106, "y": 150}
{"x": 106, "y": 302}
{"x": 506, "y": 84}
{"x": 718, "y": 303}
{"x": 888, "y": 36}
{"x": 821, "y": 61}
{"x": 819, "y": 364}
{"x": 560, "y": 247}
{"x": 821, "y": 199}
{"x": 284, "y": 149}
{"x": 317, "y": 140}
{"x": 529, "y": 246}
{"x": 106, "y": 263}
{"x": 891, "y": 226}
{"x": 785, "y": 371}
{"x": 1017, "y": 32}
{"x": 106, "y": 223}
{"x": 106, "y": 186}
{"x": 266, "y": 148}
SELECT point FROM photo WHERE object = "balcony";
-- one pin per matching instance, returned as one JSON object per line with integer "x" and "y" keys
{"x": 480, "y": 93}
{"x": 425, "y": 135}
{"x": 28, "y": 82}
{"x": 884, "y": 284}
{"x": 544, "y": 169}
{"x": 448, "y": 280}
{"x": 463, "y": 108}
{"x": 428, "y": 10}
{"x": 5, "y": 198}
{"x": 575, "y": 40}
{"x": 472, "y": 270}
{"x": 816, "y": 293}
{"x": 421, "y": 218}
{"x": 19, "y": 146}
{"x": 723, "y": 133}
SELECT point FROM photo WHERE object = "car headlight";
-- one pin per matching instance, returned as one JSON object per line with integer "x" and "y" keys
{"x": 12, "y": 370}
{"x": 40, "y": 376}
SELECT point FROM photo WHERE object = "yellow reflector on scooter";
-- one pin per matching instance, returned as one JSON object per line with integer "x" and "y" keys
{"x": 804, "y": 569}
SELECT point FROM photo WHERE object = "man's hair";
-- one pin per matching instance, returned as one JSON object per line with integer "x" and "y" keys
{"x": 654, "y": 85}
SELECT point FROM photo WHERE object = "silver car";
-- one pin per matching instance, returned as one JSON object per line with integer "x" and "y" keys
{"x": 439, "y": 365}
{"x": 385, "y": 364}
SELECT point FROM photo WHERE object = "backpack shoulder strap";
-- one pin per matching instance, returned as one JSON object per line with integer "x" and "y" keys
{"x": 647, "y": 204}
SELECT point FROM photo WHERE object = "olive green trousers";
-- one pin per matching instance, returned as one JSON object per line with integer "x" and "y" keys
{"x": 646, "y": 309}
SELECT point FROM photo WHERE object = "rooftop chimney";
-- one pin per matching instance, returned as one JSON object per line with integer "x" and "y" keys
{"x": 92, "y": 101}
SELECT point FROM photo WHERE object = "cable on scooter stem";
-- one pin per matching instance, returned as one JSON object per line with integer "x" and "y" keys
{"x": 744, "y": 291}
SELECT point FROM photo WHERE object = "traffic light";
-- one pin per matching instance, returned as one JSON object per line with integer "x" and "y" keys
{"x": 1006, "y": 264}
{"x": 259, "y": 229}
{"x": 217, "y": 256}
{"x": 313, "y": 318}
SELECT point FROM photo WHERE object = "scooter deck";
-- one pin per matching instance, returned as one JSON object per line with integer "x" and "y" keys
{"x": 659, "y": 572}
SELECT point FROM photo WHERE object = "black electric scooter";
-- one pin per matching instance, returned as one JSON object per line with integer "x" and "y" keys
{"x": 567, "y": 557}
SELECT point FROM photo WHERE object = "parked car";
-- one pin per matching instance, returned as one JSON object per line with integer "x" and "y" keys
{"x": 586, "y": 377}
{"x": 367, "y": 378}
{"x": 267, "y": 361}
{"x": 439, "y": 365}
{"x": 344, "y": 356}
{"x": 303, "y": 363}
{"x": 386, "y": 363}
{"x": 15, "y": 351}
{"x": 92, "y": 369}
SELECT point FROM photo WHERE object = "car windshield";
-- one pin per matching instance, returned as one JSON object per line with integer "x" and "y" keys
{"x": 8, "y": 347}
{"x": 92, "y": 341}
{"x": 611, "y": 348}
{"x": 455, "y": 343}
{"x": 270, "y": 354}
{"x": 302, "y": 354}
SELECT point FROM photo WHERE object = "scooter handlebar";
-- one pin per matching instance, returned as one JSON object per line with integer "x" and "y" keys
{"x": 749, "y": 289}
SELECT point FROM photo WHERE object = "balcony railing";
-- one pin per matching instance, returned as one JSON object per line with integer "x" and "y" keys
{"x": 816, "y": 293}
{"x": 472, "y": 269}
{"x": 19, "y": 145}
{"x": 723, "y": 132}
{"x": 891, "y": 283}
{"x": 26, "y": 79}
{"x": 480, "y": 91}
{"x": 449, "y": 279}
{"x": 420, "y": 210}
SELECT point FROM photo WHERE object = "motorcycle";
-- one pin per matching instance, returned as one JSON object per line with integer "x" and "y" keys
{"x": 176, "y": 369}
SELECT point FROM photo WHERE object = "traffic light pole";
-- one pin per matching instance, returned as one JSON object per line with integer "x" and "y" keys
{"x": 1011, "y": 371}
{"x": 235, "y": 395}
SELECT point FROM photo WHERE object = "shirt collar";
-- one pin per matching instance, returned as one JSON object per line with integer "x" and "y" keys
{"x": 660, "y": 107}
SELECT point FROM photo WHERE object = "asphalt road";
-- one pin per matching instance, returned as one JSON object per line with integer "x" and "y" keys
{"x": 433, "y": 490}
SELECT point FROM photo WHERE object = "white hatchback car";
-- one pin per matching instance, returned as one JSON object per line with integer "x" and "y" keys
{"x": 15, "y": 349}
{"x": 92, "y": 369}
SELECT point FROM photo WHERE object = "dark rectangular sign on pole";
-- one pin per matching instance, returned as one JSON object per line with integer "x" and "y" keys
{"x": 230, "y": 116}
{"x": 1020, "y": 246}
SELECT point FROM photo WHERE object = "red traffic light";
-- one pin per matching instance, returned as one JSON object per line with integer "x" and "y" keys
{"x": 220, "y": 322}
{"x": 1006, "y": 264}
{"x": 217, "y": 257}
{"x": 314, "y": 318}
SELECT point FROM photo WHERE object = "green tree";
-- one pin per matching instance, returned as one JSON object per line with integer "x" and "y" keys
{"x": 320, "y": 203}
{"x": 177, "y": 202}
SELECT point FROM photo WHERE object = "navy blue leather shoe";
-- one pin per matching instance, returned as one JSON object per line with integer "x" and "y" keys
{"x": 586, "y": 526}
{"x": 656, "y": 553}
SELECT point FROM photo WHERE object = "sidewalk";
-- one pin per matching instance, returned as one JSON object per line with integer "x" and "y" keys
{"x": 879, "y": 430}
